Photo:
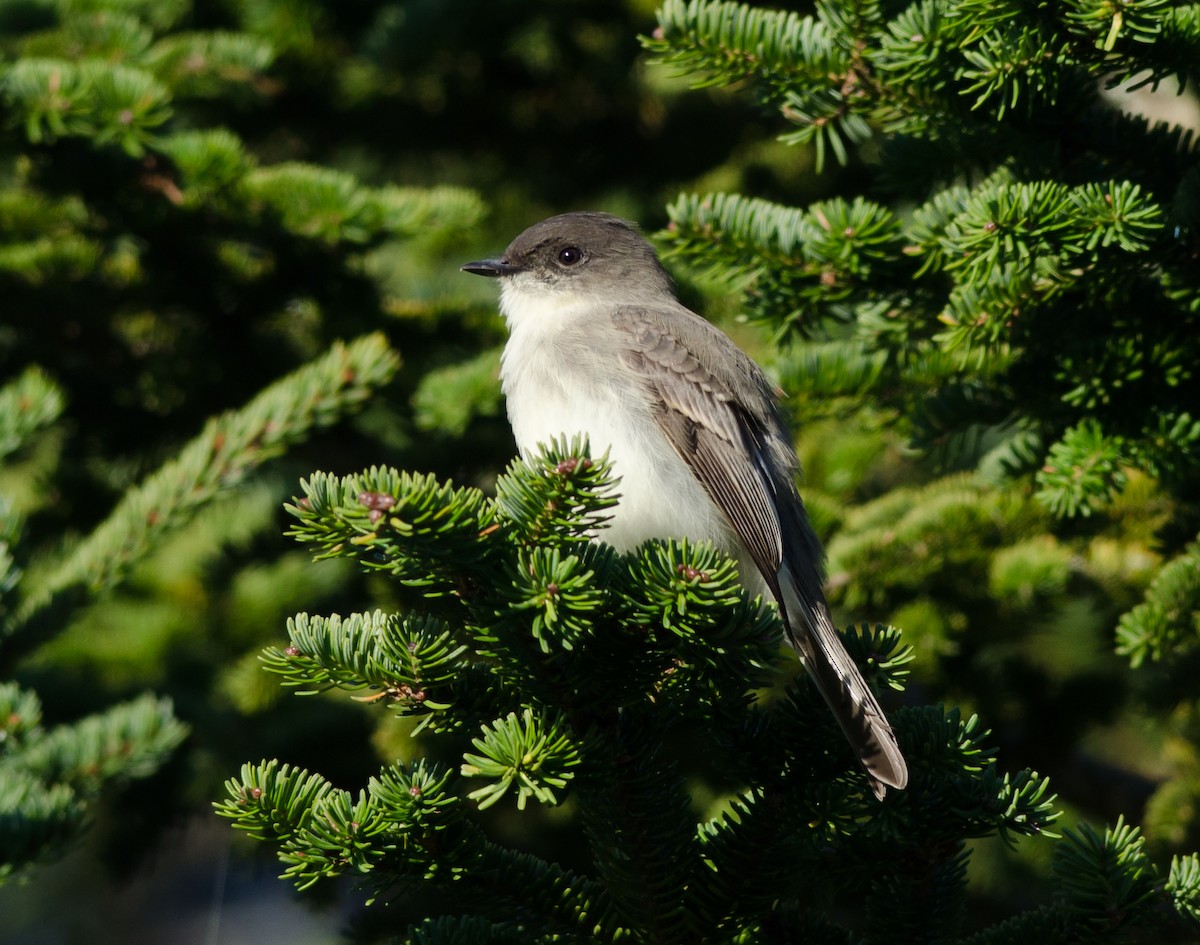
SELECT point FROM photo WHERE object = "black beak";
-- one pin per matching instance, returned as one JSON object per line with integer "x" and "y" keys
{"x": 492, "y": 268}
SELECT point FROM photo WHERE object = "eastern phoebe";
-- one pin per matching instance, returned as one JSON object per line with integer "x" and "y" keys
{"x": 598, "y": 344}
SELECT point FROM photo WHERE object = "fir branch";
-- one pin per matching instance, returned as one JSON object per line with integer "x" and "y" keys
{"x": 1043, "y": 233}
{"x": 810, "y": 68}
{"x": 955, "y": 408}
{"x": 1125, "y": 140}
{"x": 209, "y": 164}
{"x": 927, "y": 899}
{"x": 554, "y": 596}
{"x": 1176, "y": 48}
{"x": 96, "y": 33}
{"x": 1083, "y": 471}
{"x": 842, "y": 368}
{"x": 733, "y": 236}
{"x": 914, "y": 60}
{"x": 409, "y": 662}
{"x": 416, "y": 797}
{"x": 1168, "y": 446}
{"x": 28, "y": 403}
{"x": 632, "y": 793}
{"x": 1018, "y": 452}
{"x": 562, "y": 902}
{"x": 1004, "y": 224}
{"x": 37, "y": 820}
{"x": 1047, "y": 925}
{"x": 129, "y": 740}
{"x": 406, "y": 817}
{"x": 1017, "y": 67}
{"x": 1022, "y": 805}
{"x": 20, "y": 716}
{"x": 1108, "y": 882}
{"x": 1183, "y": 886}
{"x": 471, "y": 930}
{"x": 754, "y": 234}
{"x": 561, "y": 489}
{"x": 949, "y": 745}
{"x": 159, "y": 15}
{"x": 750, "y": 859}
{"x": 880, "y": 652}
{"x": 44, "y": 259}
{"x": 1033, "y": 572}
{"x": 344, "y": 834}
{"x": 797, "y": 266}
{"x": 50, "y": 778}
{"x": 686, "y": 599}
{"x": 409, "y": 525}
{"x": 413, "y": 212}
{"x": 928, "y": 226}
{"x": 108, "y": 102}
{"x": 1114, "y": 213}
{"x": 205, "y": 64}
{"x": 1166, "y": 625}
{"x": 228, "y": 450}
{"x": 449, "y": 398}
{"x": 911, "y": 537}
{"x": 728, "y": 43}
{"x": 271, "y": 801}
{"x": 332, "y": 206}
{"x": 532, "y": 754}
{"x": 1141, "y": 20}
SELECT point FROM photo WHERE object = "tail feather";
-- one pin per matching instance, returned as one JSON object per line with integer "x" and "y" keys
{"x": 839, "y": 681}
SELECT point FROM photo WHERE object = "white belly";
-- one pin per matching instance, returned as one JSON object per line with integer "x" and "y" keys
{"x": 550, "y": 392}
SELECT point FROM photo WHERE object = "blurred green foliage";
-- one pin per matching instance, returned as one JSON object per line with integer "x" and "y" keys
{"x": 990, "y": 335}
{"x": 197, "y": 199}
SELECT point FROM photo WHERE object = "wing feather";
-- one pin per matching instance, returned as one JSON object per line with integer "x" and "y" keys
{"x": 712, "y": 432}
{"x": 741, "y": 462}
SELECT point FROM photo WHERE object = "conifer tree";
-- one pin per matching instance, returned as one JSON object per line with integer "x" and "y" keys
{"x": 1013, "y": 296}
{"x": 155, "y": 269}
{"x": 50, "y": 777}
{"x": 1006, "y": 278}
{"x": 541, "y": 667}
{"x": 143, "y": 230}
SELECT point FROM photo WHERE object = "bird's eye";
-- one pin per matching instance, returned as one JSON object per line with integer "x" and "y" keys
{"x": 570, "y": 256}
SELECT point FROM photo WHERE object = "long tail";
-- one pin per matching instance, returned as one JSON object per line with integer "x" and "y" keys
{"x": 839, "y": 681}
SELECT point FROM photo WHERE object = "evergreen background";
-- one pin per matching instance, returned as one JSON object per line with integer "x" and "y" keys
{"x": 197, "y": 200}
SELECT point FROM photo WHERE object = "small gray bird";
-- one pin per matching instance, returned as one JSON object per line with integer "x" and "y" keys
{"x": 598, "y": 344}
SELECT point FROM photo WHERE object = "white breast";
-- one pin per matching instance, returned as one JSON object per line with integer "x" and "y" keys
{"x": 558, "y": 381}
